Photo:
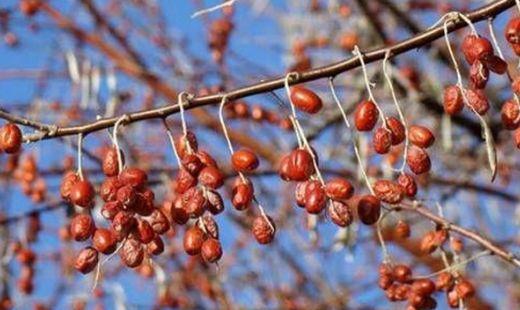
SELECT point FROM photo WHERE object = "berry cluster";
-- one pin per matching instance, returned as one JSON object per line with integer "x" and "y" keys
{"x": 399, "y": 285}
{"x": 135, "y": 223}
{"x": 299, "y": 166}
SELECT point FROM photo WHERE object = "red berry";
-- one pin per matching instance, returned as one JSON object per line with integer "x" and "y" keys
{"x": 365, "y": 116}
{"x": 244, "y": 160}
{"x": 305, "y": 99}
{"x": 10, "y": 138}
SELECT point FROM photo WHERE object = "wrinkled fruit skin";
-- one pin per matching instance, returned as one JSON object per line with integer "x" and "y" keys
{"x": 211, "y": 250}
{"x": 306, "y": 100}
{"x": 132, "y": 253}
{"x": 478, "y": 75}
{"x": 262, "y": 231}
{"x": 397, "y": 130}
{"x": 369, "y": 209}
{"x": 408, "y": 184}
{"x": 510, "y": 114}
{"x": 382, "y": 140}
{"x": 388, "y": 191}
{"x": 211, "y": 177}
{"x": 512, "y": 31}
{"x": 453, "y": 100}
{"x": 421, "y": 136}
{"x": 82, "y": 227}
{"x": 10, "y": 138}
{"x": 86, "y": 260}
{"x": 340, "y": 213}
{"x": 110, "y": 162}
{"x": 365, "y": 116}
{"x": 418, "y": 160}
{"x": 476, "y": 48}
{"x": 477, "y": 100}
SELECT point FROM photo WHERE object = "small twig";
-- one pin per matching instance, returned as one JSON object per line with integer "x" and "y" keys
{"x": 213, "y": 8}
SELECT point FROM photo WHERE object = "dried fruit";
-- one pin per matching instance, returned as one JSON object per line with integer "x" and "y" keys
{"x": 206, "y": 159}
{"x": 453, "y": 100}
{"x": 184, "y": 181}
{"x": 108, "y": 189}
{"x": 402, "y": 230}
{"x": 132, "y": 253}
{"x": 429, "y": 243}
{"x": 424, "y": 287}
{"x": 476, "y": 48}
{"x": 10, "y": 138}
{"x": 110, "y": 162}
{"x": 82, "y": 227}
{"x": 339, "y": 189}
{"x": 420, "y": 136}
{"x": 512, "y": 31}
{"x": 477, "y": 100}
{"x": 408, "y": 184}
{"x": 68, "y": 181}
{"x": 444, "y": 282}
{"x": 510, "y": 114}
{"x": 211, "y": 250}
{"x": 104, "y": 241}
{"x": 186, "y": 144}
{"x": 145, "y": 232}
{"x": 194, "y": 202}
{"x": 156, "y": 246}
{"x": 418, "y": 160}
{"x": 178, "y": 213}
{"x": 193, "y": 239}
{"x": 242, "y": 195}
{"x": 215, "y": 203}
{"x": 244, "y": 160}
{"x": 388, "y": 191}
{"x": 86, "y": 260}
{"x": 110, "y": 209}
{"x": 82, "y": 194}
{"x": 402, "y": 273}
{"x": 211, "y": 177}
{"x": 464, "y": 289}
{"x": 134, "y": 177}
{"x": 369, "y": 209}
{"x": 123, "y": 223}
{"x": 305, "y": 100}
{"x": 210, "y": 225}
{"x": 159, "y": 222}
{"x": 192, "y": 164}
{"x": 397, "y": 130}
{"x": 298, "y": 166}
{"x": 340, "y": 214}
{"x": 382, "y": 140}
{"x": 263, "y": 229}
{"x": 478, "y": 75}
{"x": 315, "y": 199}
{"x": 365, "y": 116}
{"x": 127, "y": 196}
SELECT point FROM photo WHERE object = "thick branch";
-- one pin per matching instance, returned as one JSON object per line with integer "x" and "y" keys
{"x": 415, "y": 42}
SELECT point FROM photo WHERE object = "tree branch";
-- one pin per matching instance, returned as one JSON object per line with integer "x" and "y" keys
{"x": 331, "y": 70}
